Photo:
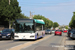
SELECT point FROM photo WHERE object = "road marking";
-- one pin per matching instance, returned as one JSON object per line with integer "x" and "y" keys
{"x": 29, "y": 43}
{"x": 57, "y": 46}
{"x": 36, "y": 42}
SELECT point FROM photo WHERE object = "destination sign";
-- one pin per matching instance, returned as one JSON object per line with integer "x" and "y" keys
{"x": 25, "y": 20}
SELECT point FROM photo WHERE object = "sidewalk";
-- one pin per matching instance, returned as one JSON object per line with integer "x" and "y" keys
{"x": 69, "y": 44}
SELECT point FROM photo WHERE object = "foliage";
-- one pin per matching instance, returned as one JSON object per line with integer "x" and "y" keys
{"x": 48, "y": 23}
{"x": 23, "y": 16}
{"x": 66, "y": 27}
{"x": 72, "y": 22}
{"x": 12, "y": 11}
{"x": 60, "y": 28}
{"x": 55, "y": 24}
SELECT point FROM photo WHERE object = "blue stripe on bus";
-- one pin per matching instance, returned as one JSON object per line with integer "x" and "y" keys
{"x": 35, "y": 36}
{"x": 43, "y": 34}
{"x": 40, "y": 37}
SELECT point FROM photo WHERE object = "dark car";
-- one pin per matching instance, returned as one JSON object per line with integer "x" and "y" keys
{"x": 0, "y": 31}
{"x": 7, "y": 34}
{"x": 72, "y": 35}
{"x": 69, "y": 32}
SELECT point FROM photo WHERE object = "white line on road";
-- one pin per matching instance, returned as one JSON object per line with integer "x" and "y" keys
{"x": 57, "y": 46}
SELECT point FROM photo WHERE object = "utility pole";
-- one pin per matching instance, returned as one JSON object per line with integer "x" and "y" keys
{"x": 9, "y": 18}
{"x": 30, "y": 15}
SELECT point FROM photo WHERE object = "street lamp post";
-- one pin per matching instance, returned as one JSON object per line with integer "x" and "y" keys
{"x": 31, "y": 16}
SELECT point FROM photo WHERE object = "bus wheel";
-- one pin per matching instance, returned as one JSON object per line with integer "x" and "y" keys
{"x": 37, "y": 35}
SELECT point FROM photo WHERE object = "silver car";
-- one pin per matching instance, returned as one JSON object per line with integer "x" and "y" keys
{"x": 72, "y": 34}
{"x": 48, "y": 31}
{"x": 53, "y": 31}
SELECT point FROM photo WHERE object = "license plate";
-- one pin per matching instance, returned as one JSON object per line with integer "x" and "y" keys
{"x": 57, "y": 33}
{"x": 3, "y": 36}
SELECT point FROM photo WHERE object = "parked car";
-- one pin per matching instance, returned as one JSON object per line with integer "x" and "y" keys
{"x": 7, "y": 34}
{"x": 65, "y": 31}
{"x": 72, "y": 35}
{"x": 48, "y": 31}
{"x": 69, "y": 32}
{"x": 0, "y": 31}
{"x": 62, "y": 30}
{"x": 53, "y": 31}
{"x": 58, "y": 32}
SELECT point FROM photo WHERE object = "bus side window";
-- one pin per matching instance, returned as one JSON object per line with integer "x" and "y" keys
{"x": 24, "y": 26}
{"x": 38, "y": 27}
{"x": 33, "y": 27}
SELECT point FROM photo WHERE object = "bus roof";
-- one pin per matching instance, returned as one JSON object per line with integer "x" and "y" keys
{"x": 39, "y": 21}
{"x": 36, "y": 20}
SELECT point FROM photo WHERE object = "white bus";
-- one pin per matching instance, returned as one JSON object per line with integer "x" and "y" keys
{"x": 29, "y": 29}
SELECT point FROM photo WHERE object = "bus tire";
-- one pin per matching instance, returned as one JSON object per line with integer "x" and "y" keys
{"x": 37, "y": 35}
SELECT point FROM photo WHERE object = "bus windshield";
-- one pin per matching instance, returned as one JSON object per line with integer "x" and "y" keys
{"x": 24, "y": 27}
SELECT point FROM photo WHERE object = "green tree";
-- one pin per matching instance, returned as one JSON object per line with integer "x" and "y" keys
{"x": 60, "y": 28}
{"x": 23, "y": 16}
{"x": 9, "y": 12}
{"x": 55, "y": 24}
{"x": 66, "y": 27}
{"x": 48, "y": 23}
{"x": 72, "y": 22}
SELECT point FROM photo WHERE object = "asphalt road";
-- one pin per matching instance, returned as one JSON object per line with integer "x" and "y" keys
{"x": 52, "y": 43}
{"x": 48, "y": 43}
{"x": 6, "y": 44}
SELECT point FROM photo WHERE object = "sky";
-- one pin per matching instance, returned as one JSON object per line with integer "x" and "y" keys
{"x": 60, "y": 11}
